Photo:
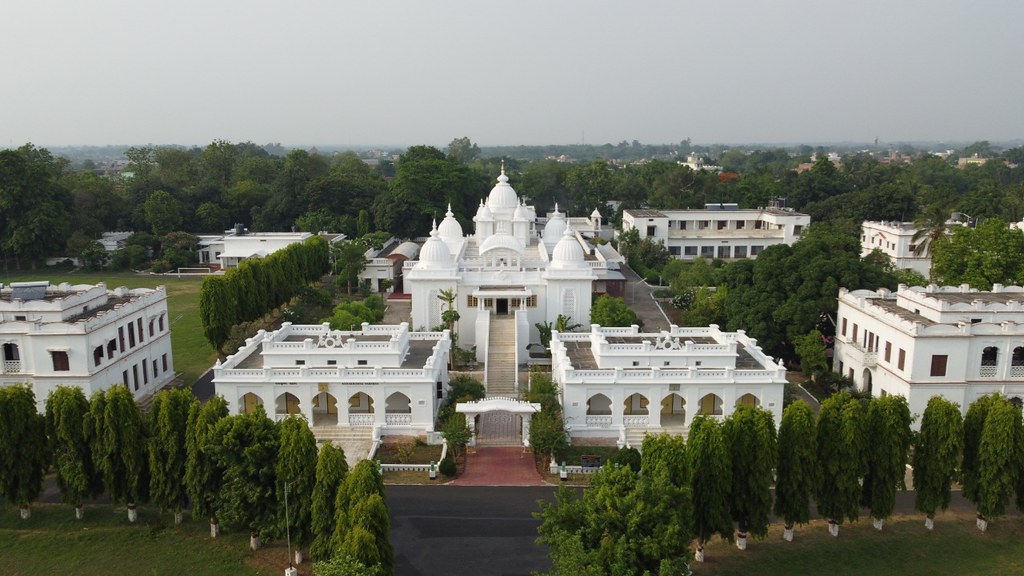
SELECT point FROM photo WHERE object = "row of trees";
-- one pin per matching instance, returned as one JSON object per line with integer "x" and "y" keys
{"x": 720, "y": 479}
{"x": 258, "y": 286}
{"x": 238, "y": 471}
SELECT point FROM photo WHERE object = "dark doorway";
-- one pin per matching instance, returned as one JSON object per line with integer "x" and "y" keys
{"x": 502, "y": 306}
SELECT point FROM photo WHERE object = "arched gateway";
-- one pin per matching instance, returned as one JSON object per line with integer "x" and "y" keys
{"x": 502, "y": 420}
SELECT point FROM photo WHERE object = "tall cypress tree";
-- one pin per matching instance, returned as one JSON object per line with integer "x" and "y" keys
{"x": 361, "y": 518}
{"x": 296, "y": 474}
{"x": 888, "y": 434}
{"x": 938, "y": 450}
{"x": 168, "y": 451}
{"x": 23, "y": 447}
{"x": 711, "y": 481}
{"x": 753, "y": 446}
{"x": 797, "y": 473}
{"x": 67, "y": 411}
{"x": 331, "y": 469}
{"x": 842, "y": 460}
{"x": 120, "y": 447}
{"x": 998, "y": 464}
{"x": 974, "y": 424}
{"x": 203, "y": 476}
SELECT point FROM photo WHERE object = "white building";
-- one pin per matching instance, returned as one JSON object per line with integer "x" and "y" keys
{"x": 384, "y": 377}
{"x": 620, "y": 383}
{"x": 85, "y": 336}
{"x": 230, "y": 249}
{"x": 718, "y": 231}
{"x": 895, "y": 240}
{"x": 509, "y": 275}
{"x": 919, "y": 342}
{"x": 384, "y": 266}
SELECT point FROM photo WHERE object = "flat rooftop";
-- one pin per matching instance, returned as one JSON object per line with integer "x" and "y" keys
{"x": 419, "y": 351}
{"x": 582, "y": 358}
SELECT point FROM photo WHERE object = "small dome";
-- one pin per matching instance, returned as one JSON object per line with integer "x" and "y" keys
{"x": 505, "y": 241}
{"x": 502, "y": 196}
{"x": 522, "y": 213}
{"x": 596, "y": 214}
{"x": 434, "y": 251}
{"x": 555, "y": 227}
{"x": 483, "y": 213}
{"x": 568, "y": 253}
{"x": 450, "y": 227}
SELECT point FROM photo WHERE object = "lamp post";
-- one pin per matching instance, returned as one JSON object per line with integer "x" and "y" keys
{"x": 291, "y": 570}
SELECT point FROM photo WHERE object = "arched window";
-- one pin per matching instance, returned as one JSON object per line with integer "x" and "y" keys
{"x": 1017, "y": 363}
{"x": 599, "y": 405}
{"x": 287, "y": 404}
{"x": 673, "y": 410}
{"x": 397, "y": 403}
{"x": 710, "y": 405}
{"x": 248, "y": 402}
{"x": 635, "y": 405}
{"x": 748, "y": 400}
{"x": 989, "y": 361}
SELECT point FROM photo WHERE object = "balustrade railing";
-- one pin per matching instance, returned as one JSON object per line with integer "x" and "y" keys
{"x": 599, "y": 421}
{"x": 361, "y": 419}
{"x": 635, "y": 421}
{"x": 398, "y": 419}
{"x": 1016, "y": 371}
{"x": 12, "y": 366}
{"x": 987, "y": 372}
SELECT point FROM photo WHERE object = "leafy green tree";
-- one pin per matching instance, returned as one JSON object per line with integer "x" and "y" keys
{"x": 362, "y": 526}
{"x": 24, "y": 454}
{"x": 842, "y": 459}
{"x": 667, "y": 451}
{"x": 35, "y": 207}
{"x": 457, "y": 433}
{"x": 974, "y": 425}
{"x": 94, "y": 256}
{"x": 624, "y": 524}
{"x": 349, "y": 262}
{"x": 548, "y": 437}
{"x": 811, "y": 350}
{"x": 988, "y": 254}
{"x": 750, "y": 432}
{"x": 77, "y": 479}
{"x": 163, "y": 213}
{"x": 296, "y": 474}
{"x": 889, "y": 436}
{"x": 168, "y": 423}
{"x": 217, "y": 309}
{"x": 342, "y": 565}
{"x": 331, "y": 469}
{"x": 796, "y": 475}
{"x": 463, "y": 150}
{"x": 999, "y": 459}
{"x": 612, "y": 311}
{"x": 203, "y": 475}
{"x": 119, "y": 449}
{"x": 711, "y": 481}
{"x": 245, "y": 446}
{"x": 938, "y": 449}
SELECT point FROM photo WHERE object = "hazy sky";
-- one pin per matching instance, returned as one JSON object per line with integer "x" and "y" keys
{"x": 523, "y": 72}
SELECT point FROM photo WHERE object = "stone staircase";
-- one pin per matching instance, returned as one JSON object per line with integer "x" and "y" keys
{"x": 635, "y": 437}
{"x": 355, "y": 440}
{"x": 501, "y": 357}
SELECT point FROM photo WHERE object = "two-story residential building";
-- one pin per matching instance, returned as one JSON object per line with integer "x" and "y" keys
{"x": 85, "y": 336}
{"x": 237, "y": 245}
{"x": 381, "y": 377}
{"x": 920, "y": 342}
{"x": 897, "y": 241}
{"x": 620, "y": 383}
{"x": 718, "y": 231}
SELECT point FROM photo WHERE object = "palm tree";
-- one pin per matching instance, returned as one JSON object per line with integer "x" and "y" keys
{"x": 931, "y": 225}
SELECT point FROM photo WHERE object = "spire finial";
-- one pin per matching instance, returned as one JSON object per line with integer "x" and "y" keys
{"x": 502, "y": 166}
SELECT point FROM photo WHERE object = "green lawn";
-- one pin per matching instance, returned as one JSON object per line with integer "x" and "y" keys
{"x": 193, "y": 355}
{"x": 53, "y": 542}
{"x": 904, "y": 547}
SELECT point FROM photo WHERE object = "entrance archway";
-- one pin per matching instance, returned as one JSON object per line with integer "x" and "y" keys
{"x": 673, "y": 410}
{"x": 248, "y": 402}
{"x": 325, "y": 409}
{"x": 287, "y": 404}
{"x": 499, "y": 421}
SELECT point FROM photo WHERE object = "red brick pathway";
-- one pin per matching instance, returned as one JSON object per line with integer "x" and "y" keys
{"x": 499, "y": 466}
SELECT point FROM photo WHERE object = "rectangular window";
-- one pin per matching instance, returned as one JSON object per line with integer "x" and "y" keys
{"x": 854, "y": 331}
{"x": 844, "y": 327}
{"x": 707, "y": 251}
{"x": 471, "y": 301}
{"x": 682, "y": 224}
{"x": 651, "y": 230}
{"x": 139, "y": 324}
{"x": 888, "y": 351}
{"x": 155, "y": 371}
{"x": 135, "y": 375}
{"x": 120, "y": 337}
{"x": 740, "y": 224}
{"x": 689, "y": 250}
{"x": 758, "y": 224}
{"x": 724, "y": 251}
{"x": 673, "y": 250}
{"x": 300, "y": 362}
{"x": 60, "y": 360}
{"x": 97, "y": 355}
{"x": 131, "y": 335}
{"x": 164, "y": 362}
{"x": 739, "y": 252}
{"x": 531, "y": 302}
{"x": 145, "y": 372}
{"x": 755, "y": 250}
{"x": 332, "y": 362}
{"x": 124, "y": 378}
{"x": 111, "y": 348}
{"x": 161, "y": 328}
{"x": 902, "y": 359}
{"x": 723, "y": 224}
{"x": 797, "y": 230}
{"x": 938, "y": 365}
{"x": 151, "y": 322}
{"x": 361, "y": 362}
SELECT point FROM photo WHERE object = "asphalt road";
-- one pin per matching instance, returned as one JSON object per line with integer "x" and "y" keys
{"x": 479, "y": 530}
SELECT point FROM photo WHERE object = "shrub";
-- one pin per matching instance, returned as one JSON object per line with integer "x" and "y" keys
{"x": 628, "y": 457}
{"x": 447, "y": 466}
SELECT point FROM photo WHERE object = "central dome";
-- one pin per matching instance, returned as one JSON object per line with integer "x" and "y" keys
{"x": 502, "y": 196}
{"x": 450, "y": 228}
{"x": 568, "y": 253}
